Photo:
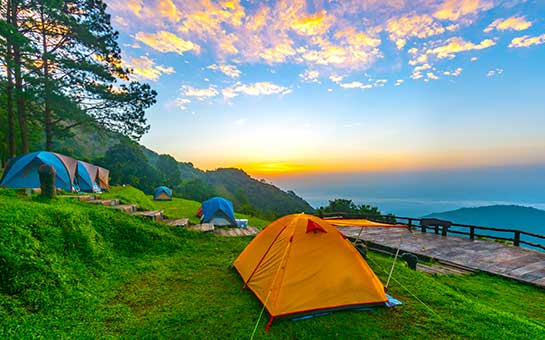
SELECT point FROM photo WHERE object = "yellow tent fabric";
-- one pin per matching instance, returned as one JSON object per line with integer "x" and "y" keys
{"x": 362, "y": 223}
{"x": 300, "y": 263}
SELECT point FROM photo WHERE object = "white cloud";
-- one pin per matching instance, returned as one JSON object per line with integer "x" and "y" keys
{"x": 336, "y": 78}
{"x": 431, "y": 75}
{"x": 199, "y": 93}
{"x": 399, "y": 82}
{"x": 309, "y": 76}
{"x": 454, "y": 73}
{"x": 255, "y": 89}
{"x": 495, "y": 72}
{"x": 229, "y": 70}
{"x": 355, "y": 85}
{"x": 182, "y": 103}
{"x": 422, "y": 68}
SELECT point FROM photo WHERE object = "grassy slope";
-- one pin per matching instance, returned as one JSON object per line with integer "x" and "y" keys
{"x": 177, "y": 208}
{"x": 68, "y": 268}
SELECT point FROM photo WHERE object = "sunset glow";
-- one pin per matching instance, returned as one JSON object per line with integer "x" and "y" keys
{"x": 291, "y": 87}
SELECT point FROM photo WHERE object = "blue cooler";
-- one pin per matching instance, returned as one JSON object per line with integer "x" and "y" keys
{"x": 242, "y": 223}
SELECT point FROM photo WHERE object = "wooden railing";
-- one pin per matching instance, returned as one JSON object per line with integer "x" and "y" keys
{"x": 444, "y": 228}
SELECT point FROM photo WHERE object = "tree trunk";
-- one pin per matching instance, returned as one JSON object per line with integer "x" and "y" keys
{"x": 47, "y": 93}
{"x": 9, "y": 91}
{"x": 47, "y": 175}
{"x": 19, "y": 93}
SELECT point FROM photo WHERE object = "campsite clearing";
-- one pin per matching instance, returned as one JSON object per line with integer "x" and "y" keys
{"x": 90, "y": 271}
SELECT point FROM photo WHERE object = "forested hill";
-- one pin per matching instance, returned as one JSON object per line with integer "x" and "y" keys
{"x": 503, "y": 216}
{"x": 125, "y": 159}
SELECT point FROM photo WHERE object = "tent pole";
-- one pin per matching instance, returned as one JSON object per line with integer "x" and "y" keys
{"x": 262, "y": 258}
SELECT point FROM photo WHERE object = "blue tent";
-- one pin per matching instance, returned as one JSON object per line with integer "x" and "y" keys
{"x": 162, "y": 193}
{"x": 218, "y": 211}
{"x": 87, "y": 177}
{"x": 22, "y": 171}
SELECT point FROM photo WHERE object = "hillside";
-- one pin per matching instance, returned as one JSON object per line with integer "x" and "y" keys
{"x": 504, "y": 216}
{"x": 174, "y": 209}
{"x": 255, "y": 196}
{"x": 75, "y": 270}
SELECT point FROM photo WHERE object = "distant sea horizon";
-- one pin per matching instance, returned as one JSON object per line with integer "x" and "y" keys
{"x": 419, "y": 193}
{"x": 414, "y": 207}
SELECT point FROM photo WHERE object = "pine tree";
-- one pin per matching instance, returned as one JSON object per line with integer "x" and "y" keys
{"x": 80, "y": 66}
{"x": 63, "y": 60}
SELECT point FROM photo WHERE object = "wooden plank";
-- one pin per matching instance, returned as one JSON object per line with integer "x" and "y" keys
{"x": 181, "y": 222}
{"x": 110, "y": 202}
{"x": 205, "y": 227}
{"x": 250, "y": 231}
{"x": 518, "y": 263}
{"x": 130, "y": 208}
{"x": 155, "y": 215}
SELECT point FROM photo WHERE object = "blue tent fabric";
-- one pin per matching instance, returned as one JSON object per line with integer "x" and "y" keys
{"x": 86, "y": 177}
{"x": 22, "y": 171}
{"x": 392, "y": 302}
{"x": 162, "y": 189}
{"x": 218, "y": 207}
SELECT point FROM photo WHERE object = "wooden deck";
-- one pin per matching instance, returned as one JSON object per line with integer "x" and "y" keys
{"x": 492, "y": 257}
{"x": 237, "y": 231}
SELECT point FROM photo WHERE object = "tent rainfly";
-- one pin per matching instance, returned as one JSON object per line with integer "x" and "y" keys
{"x": 301, "y": 265}
{"x": 86, "y": 177}
{"x": 218, "y": 211}
{"x": 103, "y": 178}
{"x": 22, "y": 171}
{"x": 162, "y": 193}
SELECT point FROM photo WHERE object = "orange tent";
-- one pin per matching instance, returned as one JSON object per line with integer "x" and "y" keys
{"x": 300, "y": 264}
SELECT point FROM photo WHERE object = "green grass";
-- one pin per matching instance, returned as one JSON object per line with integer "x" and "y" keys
{"x": 69, "y": 269}
{"x": 128, "y": 194}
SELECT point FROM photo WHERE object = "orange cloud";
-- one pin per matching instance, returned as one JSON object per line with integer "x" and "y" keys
{"x": 312, "y": 24}
{"x": 132, "y": 6}
{"x": 420, "y": 26}
{"x": 457, "y": 45}
{"x": 168, "y": 10}
{"x": 527, "y": 41}
{"x": 145, "y": 69}
{"x": 204, "y": 18}
{"x": 512, "y": 23}
{"x": 455, "y": 9}
{"x": 228, "y": 70}
{"x": 164, "y": 41}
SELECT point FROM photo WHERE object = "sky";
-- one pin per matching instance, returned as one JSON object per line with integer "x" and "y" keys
{"x": 293, "y": 89}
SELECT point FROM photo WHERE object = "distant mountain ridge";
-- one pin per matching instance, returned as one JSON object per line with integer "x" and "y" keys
{"x": 501, "y": 216}
{"x": 234, "y": 184}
